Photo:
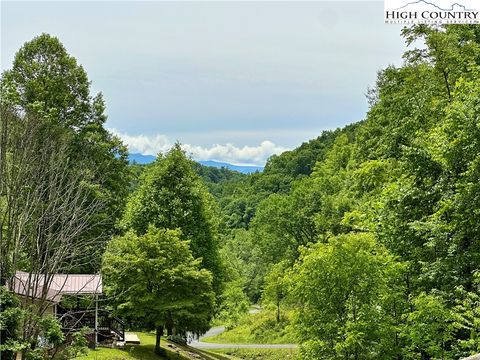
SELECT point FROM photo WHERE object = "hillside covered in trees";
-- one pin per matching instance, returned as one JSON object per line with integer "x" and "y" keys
{"x": 371, "y": 232}
{"x": 363, "y": 243}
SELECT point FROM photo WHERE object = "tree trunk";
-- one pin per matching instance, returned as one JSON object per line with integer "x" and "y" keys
{"x": 424, "y": 355}
{"x": 159, "y": 334}
{"x": 278, "y": 311}
{"x": 169, "y": 325}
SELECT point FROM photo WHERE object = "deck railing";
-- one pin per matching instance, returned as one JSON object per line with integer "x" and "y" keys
{"x": 107, "y": 324}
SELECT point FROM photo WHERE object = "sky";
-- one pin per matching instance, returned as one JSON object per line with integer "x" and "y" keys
{"x": 232, "y": 81}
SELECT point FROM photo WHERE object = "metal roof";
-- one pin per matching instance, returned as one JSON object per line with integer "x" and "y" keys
{"x": 33, "y": 285}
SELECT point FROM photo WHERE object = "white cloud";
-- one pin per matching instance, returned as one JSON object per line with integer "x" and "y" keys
{"x": 143, "y": 144}
{"x": 246, "y": 155}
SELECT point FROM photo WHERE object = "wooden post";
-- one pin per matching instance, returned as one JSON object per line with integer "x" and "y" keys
{"x": 96, "y": 319}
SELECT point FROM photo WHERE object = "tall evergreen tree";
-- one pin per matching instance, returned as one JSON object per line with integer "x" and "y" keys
{"x": 171, "y": 196}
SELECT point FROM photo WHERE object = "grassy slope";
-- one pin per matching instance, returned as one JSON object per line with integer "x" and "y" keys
{"x": 259, "y": 328}
{"x": 144, "y": 351}
{"x": 259, "y": 354}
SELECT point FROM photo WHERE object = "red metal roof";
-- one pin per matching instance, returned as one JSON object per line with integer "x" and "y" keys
{"x": 33, "y": 285}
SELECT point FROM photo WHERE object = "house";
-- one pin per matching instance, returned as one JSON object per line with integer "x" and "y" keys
{"x": 48, "y": 291}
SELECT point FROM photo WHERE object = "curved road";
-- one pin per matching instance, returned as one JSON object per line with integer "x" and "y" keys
{"x": 198, "y": 344}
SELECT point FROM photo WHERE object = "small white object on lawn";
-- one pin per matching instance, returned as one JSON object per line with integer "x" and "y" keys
{"x": 131, "y": 338}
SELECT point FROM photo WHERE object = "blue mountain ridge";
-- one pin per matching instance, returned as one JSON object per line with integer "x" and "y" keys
{"x": 245, "y": 169}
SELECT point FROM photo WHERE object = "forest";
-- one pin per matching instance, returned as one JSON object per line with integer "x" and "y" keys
{"x": 363, "y": 243}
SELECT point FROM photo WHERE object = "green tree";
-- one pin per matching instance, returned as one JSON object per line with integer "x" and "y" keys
{"x": 276, "y": 286}
{"x": 171, "y": 196}
{"x": 466, "y": 324}
{"x": 233, "y": 304}
{"x": 341, "y": 289}
{"x": 429, "y": 328}
{"x": 425, "y": 121}
{"x": 47, "y": 83}
{"x": 154, "y": 279}
{"x": 46, "y": 80}
{"x": 243, "y": 262}
{"x": 283, "y": 222}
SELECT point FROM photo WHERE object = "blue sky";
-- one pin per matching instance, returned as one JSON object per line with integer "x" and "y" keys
{"x": 233, "y": 81}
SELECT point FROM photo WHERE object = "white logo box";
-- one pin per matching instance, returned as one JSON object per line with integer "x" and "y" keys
{"x": 432, "y": 11}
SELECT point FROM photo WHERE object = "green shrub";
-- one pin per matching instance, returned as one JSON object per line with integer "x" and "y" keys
{"x": 10, "y": 317}
{"x": 78, "y": 345}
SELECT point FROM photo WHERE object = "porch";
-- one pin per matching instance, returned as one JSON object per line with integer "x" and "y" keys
{"x": 56, "y": 289}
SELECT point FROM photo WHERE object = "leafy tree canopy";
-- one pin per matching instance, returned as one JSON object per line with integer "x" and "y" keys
{"x": 171, "y": 196}
{"x": 154, "y": 279}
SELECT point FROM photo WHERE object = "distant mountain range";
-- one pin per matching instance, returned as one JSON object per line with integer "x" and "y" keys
{"x": 245, "y": 169}
{"x": 140, "y": 158}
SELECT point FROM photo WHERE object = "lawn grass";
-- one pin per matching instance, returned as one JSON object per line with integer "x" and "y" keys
{"x": 258, "y": 328}
{"x": 259, "y": 354}
{"x": 145, "y": 351}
